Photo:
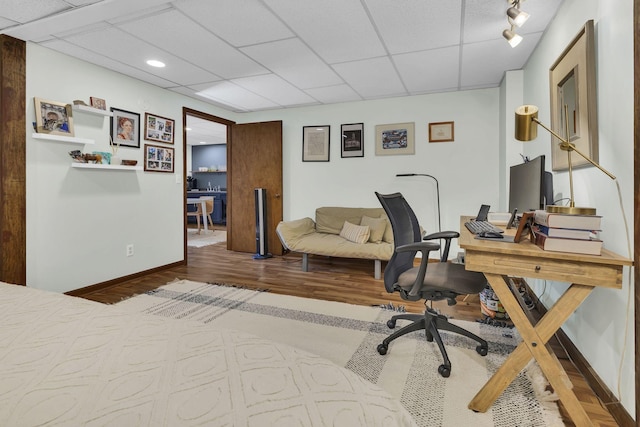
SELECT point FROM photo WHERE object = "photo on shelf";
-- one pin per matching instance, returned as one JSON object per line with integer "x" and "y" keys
{"x": 53, "y": 117}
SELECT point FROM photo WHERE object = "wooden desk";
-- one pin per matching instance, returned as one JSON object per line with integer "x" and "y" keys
{"x": 497, "y": 260}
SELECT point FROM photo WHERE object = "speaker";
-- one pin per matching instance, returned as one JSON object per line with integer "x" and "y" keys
{"x": 262, "y": 251}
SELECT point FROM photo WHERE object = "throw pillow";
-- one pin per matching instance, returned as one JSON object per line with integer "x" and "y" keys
{"x": 354, "y": 233}
{"x": 377, "y": 226}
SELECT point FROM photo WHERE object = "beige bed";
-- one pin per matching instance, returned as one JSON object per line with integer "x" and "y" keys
{"x": 69, "y": 361}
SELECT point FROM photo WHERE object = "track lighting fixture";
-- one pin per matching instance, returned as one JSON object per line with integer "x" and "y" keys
{"x": 515, "y": 18}
{"x": 513, "y": 38}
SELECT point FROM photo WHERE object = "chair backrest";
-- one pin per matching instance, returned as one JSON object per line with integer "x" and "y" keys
{"x": 405, "y": 230}
{"x": 209, "y": 204}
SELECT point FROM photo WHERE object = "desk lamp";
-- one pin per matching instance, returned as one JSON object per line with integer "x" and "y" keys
{"x": 526, "y": 130}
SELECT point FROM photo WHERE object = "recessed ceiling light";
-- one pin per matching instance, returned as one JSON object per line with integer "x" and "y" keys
{"x": 155, "y": 63}
{"x": 203, "y": 142}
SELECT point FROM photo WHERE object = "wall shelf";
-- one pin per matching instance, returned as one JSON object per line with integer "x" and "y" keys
{"x": 91, "y": 110}
{"x": 62, "y": 138}
{"x": 109, "y": 167}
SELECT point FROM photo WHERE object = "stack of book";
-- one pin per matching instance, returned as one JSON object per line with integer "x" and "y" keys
{"x": 567, "y": 233}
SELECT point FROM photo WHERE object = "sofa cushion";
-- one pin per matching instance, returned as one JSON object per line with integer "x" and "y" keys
{"x": 331, "y": 219}
{"x": 377, "y": 227}
{"x": 355, "y": 233}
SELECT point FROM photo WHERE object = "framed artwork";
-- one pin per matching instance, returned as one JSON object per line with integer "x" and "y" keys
{"x": 573, "y": 101}
{"x": 53, "y": 117}
{"x": 315, "y": 143}
{"x": 125, "y": 128}
{"x": 352, "y": 136}
{"x": 98, "y": 103}
{"x": 394, "y": 139}
{"x": 157, "y": 128}
{"x": 158, "y": 159}
{"x": 441, "y": 132}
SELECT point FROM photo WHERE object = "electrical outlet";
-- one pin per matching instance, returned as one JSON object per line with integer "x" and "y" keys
{"x": 130, "y": 250}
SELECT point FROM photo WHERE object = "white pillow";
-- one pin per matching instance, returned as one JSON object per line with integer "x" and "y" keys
{"x": 355, "y": 233}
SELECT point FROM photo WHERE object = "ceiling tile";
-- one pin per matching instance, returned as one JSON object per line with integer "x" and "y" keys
{"x": 29, "y": 10}
{"x": 234, "y": 96}
{"x": 418, "y": 24}
{"x": 372, "y": 78}
{"x": 197, "y": 46}
{"x": 337, "y": 30}
{"x": 122, "y": 47}
{"x": 334, "y": 94}
{"x": 484, "y": 64}
{"x": 239, "y": 22}
{"x": 275, "y": 89}
{"x": 430, "y": 70}
{"x": 294, "y": 62}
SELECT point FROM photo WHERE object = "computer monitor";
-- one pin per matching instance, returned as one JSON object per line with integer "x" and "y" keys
{"x": 528, "y": 186}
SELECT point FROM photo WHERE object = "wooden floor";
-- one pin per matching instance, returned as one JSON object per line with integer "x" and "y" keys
{"x": 335, "y": 279}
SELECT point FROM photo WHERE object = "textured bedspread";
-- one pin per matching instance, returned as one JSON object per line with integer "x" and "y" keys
{"x": 69, "y": 361}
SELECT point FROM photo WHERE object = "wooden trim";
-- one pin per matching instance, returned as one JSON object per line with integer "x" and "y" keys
{"x": 109, "y": 283}
{"x": 13, "y": 198}
{"x": 636, "y": 188}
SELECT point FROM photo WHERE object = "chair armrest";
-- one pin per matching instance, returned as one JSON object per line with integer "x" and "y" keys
{"x": 447, "y": 236}
{"x": 425, "y": 248}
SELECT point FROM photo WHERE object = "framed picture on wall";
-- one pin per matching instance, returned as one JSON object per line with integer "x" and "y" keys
{"x": 352, "y": 136}
{"x": 396, "y": 138}
{"x": 125, "y": 128}
{"x": 315, "y": 143}
{"x": 441, "y": 132}
{"x": 158, "y": 128}
{"x": 158, "y": 159}
{"x": 53, "y": 117}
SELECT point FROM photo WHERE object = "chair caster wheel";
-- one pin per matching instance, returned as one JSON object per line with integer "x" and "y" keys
{"x": 444, "y": 370}
{"x": 391, "y": 323}
{"x": 482, "y": 351}
{"x": 382, "y": 349}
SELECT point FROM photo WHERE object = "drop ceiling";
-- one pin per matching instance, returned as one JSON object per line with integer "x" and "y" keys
{"x": 251, "y": 55}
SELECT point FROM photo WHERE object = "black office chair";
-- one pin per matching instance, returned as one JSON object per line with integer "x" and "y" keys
{"x": 430, "y": 281}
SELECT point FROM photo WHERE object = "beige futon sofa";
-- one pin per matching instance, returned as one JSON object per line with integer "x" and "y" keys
{"x": 363, "y": 233}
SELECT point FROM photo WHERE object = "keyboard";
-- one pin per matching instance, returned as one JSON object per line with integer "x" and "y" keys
{"x": 477, "y": 227}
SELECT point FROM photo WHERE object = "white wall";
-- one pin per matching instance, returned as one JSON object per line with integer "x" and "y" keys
{"x": 598, "y": 326}
{"x": 80, "y": 221}
{"x": 467, "y": 169}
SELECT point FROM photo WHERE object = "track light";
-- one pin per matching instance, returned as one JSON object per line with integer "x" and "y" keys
{"x": 517, "y": 16}
{"x": 513, "y": 38}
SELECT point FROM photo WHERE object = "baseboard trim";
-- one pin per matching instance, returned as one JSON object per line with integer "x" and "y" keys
{"x": 606, "y": 396}
{"x": 103, "y": 285}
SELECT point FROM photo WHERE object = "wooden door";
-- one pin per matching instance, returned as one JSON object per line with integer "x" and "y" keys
{"x": 255, "y": 155}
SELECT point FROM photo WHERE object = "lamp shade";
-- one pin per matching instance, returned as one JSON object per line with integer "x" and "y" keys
{"x": 513, "y": 38}
{"x": 526, "y": 127}
{"x": 517, "y": 16}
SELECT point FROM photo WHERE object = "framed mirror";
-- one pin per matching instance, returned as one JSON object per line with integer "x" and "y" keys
{"x": 572, "y": 81}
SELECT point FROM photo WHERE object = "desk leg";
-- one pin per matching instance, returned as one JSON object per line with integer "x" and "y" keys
{"x": 533, "y": 344}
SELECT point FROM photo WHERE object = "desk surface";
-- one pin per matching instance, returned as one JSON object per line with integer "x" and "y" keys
{"x": 525, "y": 259}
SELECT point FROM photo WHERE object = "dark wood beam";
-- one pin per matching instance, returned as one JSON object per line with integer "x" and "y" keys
{"x": 13, "y": 228}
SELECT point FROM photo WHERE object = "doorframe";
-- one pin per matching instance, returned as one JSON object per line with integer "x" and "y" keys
{"x": 205, "y": 116}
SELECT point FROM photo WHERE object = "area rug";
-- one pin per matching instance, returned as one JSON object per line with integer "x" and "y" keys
{"x": 205, "y": 238}
{"x": 348, "y": 335}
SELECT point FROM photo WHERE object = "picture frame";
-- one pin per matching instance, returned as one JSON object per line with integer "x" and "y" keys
{"x": 572, "y": 82}
{"x": 352, "y": 137}
{"x": 52, "y": 117}
{"x": 523, "y": 226}
{"x": 158, "y": 128}
{"x": 125, "y": 128}
{"x": 395, "y": 139}
{"x": 98, "y": 103}
{"x": 441, "y": 132}
{"x": 158, "y": 159}
{"x": 315, "y": 143}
